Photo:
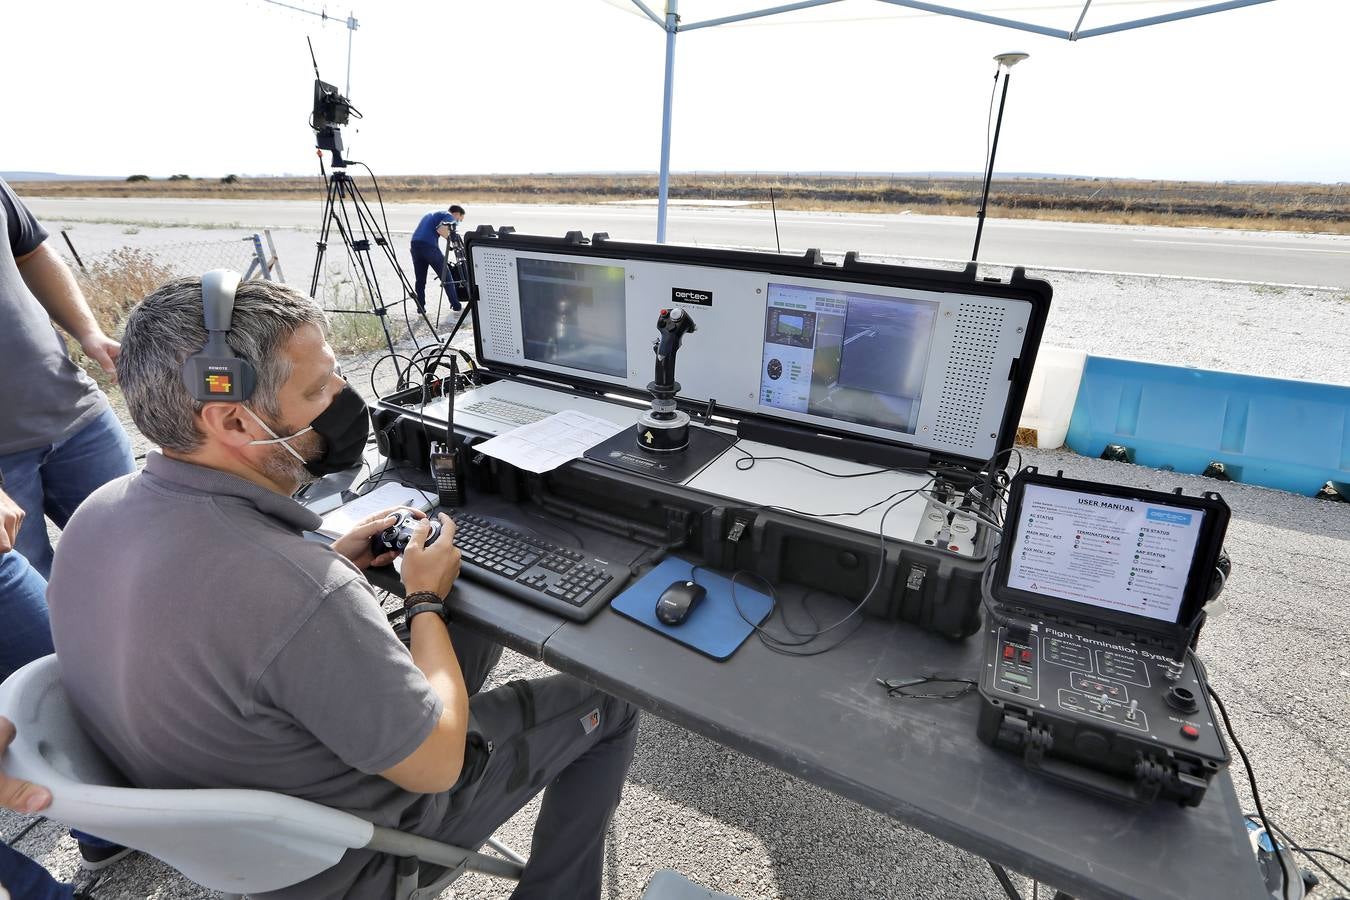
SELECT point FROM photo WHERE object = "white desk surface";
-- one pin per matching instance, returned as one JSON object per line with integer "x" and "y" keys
{"x": 769, "y": 483}
{"x": 773, "y": 482}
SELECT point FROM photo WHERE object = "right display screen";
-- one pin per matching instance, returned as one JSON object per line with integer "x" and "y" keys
{"x": 847, "y": 356}
{"x": 1115, "y": 553}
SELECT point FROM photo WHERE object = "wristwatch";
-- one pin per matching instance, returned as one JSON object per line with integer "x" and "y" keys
{"x": 420, "y": 602}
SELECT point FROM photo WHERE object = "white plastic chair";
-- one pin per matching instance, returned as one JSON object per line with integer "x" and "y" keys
{"x": 236, "y": 841}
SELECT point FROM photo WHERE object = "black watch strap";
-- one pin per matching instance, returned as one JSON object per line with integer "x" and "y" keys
{"x": 418, "y": 608}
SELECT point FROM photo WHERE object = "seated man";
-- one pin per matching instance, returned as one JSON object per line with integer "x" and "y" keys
{"x": 207, "y": 643}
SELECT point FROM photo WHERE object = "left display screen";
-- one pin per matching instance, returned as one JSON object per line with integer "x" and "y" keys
{"x": 573, "y": 315}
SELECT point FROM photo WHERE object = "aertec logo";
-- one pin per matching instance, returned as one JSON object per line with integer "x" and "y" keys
{"x": 689, "y": 295}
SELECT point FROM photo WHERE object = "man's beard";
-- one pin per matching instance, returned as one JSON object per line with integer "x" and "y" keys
{"x": 280, "y": 466}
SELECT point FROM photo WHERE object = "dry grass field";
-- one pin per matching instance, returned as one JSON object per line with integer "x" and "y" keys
{"x": 1268, "y": 206}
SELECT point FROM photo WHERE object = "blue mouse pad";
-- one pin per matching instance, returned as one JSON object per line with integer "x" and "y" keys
{"x": 714, "y": 628}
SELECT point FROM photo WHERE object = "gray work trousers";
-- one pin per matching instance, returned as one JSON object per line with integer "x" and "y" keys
{"x": 555, "y": 735}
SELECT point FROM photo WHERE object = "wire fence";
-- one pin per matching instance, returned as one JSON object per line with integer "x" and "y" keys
{"x": 368, "y": 295}
{"x": 254, "y": 254}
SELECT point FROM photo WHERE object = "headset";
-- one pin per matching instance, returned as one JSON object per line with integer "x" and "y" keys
{"x": 214, "y": 373}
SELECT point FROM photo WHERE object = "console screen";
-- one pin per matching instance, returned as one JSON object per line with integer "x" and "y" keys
{"x": 572, "y": 314}
{"x": 1113, "y": 553}
{"x": 846, "y": 356}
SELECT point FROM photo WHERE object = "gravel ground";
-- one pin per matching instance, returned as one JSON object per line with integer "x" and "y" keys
{"x": 1278, "y": 655}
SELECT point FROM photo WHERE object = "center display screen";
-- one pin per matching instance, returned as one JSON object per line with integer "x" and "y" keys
{"x": 847, "y": 356}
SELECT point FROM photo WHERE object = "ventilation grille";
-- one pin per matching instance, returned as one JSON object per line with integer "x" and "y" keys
{"x": 494, "y": 290}
{"x": 970, "y": 368}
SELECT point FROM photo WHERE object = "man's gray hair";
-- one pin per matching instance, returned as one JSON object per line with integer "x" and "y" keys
{"x": 166, "y": 328}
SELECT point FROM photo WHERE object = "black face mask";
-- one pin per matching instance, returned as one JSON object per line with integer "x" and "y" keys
{"x": 344, "y": 427}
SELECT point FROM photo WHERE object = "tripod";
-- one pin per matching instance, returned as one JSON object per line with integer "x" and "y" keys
{"x": 346, "y": 207}
{"x": 450, "y": 272}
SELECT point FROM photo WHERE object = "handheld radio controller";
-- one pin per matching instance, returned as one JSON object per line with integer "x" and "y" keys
{"x": 1097, "y": 599}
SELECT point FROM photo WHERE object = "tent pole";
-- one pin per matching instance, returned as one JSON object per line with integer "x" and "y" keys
{"x": 663, "y": 195}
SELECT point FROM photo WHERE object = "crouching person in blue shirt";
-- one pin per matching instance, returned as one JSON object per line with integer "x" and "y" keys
{"x": 207, "y": 643}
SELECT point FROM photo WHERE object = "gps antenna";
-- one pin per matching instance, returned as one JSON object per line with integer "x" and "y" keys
{"x": 774, "y": 207}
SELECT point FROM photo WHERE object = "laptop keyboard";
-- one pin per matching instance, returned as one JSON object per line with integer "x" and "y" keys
{"x": 534, "y": 570}
{"x": 507, "y": 411}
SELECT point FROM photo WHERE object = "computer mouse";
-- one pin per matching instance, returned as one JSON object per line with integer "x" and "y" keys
{"x": 678, "y": 601}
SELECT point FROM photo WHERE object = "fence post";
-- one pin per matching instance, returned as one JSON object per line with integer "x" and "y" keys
{"x": 259, "y": 258}
{"x": 73, "y": 252}
{"x": 274, "y": 263}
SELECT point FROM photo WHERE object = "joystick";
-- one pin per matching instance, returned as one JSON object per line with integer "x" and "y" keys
{"x": 664, "y": 428}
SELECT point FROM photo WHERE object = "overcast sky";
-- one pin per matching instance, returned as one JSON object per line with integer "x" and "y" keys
{"x": 208, "y": 87}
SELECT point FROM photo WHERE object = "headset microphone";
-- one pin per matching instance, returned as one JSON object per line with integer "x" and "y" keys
{"x": 214, "y": 372}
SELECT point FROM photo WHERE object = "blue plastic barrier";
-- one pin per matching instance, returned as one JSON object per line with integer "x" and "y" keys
{"x": 1290, "y": 435}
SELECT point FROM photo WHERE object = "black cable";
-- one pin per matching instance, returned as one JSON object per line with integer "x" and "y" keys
{"x": 403, "y": 278}
{"x": 1307, "y": 851}
{"x": 27, "y": 828}
{"x": 375, "y": 391}
{"x": 1311, "y": 850}
{"x": 752, "y": 459}
{"x": 786, "y": 647}
{"x": 1251, "y": 777}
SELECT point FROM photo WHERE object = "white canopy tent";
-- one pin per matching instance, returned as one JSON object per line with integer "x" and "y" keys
{"x": 673, "y": 25}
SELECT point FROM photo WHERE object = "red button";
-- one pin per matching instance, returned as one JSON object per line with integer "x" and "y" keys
{"x": 1026, "y": 656}
{"x": 1190, "y": 732}
{"x": 1008, "y": 651}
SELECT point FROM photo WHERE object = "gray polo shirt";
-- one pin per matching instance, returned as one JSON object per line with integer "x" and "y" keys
{"x": 207, "y": 643}
{"x": 44, "y": 397}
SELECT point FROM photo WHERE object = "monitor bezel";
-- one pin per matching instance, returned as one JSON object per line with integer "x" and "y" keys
{"x": 811, "y": 265}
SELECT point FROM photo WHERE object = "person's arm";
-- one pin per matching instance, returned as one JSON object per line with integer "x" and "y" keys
{"x": 19, "y": 796}
{"x": 11, "y": 517}
{"x": 436, "y": 764}
{"x": 54, "y": 286}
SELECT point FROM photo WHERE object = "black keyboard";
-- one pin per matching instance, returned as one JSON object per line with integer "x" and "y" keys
{"x": 529, "y": 568}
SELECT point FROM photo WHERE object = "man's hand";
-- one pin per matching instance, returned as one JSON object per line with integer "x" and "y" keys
{"x": 355, "y": 544}
{"x": 102, "y": 350}
{"x": 433, "y": 568}
{"x": 11, "y": 517}
{"x": 443, "y": 230}
{"x": 19, "y": 796}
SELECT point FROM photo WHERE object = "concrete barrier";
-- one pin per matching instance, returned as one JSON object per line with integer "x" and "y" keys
{"x": 1290, "y": 435}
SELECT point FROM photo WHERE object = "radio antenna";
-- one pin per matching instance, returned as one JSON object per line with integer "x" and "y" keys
{"x": 312, "y": 58}
{"x": 774, "y": 207}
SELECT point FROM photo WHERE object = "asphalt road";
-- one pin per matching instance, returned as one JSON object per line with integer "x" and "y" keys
{"x": 1272, "y": 257}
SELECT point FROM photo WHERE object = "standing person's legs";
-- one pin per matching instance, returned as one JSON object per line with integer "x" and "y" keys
{"x": 56, "y": 479}
{"x": 25, "y": 632}
{"x": 419, "y": 276}
{"x": 26, "y": 880}
{"x": 429, "y": 256}
{"x": 571, "y": 741}
{"x": 23, "y": 484}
